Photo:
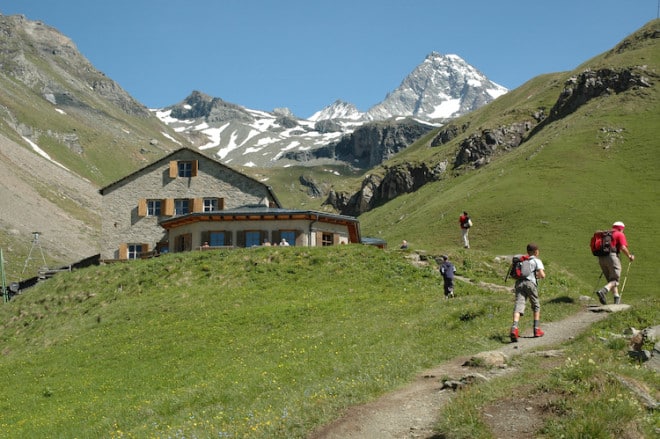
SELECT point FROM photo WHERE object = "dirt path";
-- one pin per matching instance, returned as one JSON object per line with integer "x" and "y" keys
{"x": 411, "y": 411}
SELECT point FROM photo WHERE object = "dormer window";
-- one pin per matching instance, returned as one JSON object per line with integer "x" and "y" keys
{"x": 183, "y": 168}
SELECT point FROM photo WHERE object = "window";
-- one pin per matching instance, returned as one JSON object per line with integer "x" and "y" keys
{"x": 218, "y": 239}
{"x": 289, "y": 235}
{"x": 252, "y": 239}
{"x": 185, "y": 169}
{"x": 134, "y": 251}
{"x": 326, "y": 239}
{"x": 153, "y": 207}
{"x": 210, "y": 204}
{"x": 181, "y": 206}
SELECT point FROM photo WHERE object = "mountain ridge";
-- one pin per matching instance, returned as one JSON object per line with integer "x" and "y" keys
{"x": 442, "y": 87}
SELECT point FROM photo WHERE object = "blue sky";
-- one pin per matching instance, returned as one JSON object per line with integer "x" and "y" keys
{"x": 305, "y": 54}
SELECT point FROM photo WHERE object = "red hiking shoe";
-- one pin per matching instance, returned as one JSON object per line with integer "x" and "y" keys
{"x": 514, "y": 335}
{"x": 538, "y": 332}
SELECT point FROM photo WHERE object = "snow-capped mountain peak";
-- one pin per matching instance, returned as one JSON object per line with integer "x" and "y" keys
{"x": 441, "y": 87}
{"x": 338, "y": 110}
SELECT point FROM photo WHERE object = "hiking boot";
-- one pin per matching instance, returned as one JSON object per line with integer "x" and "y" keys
{"x": 538, "y": 332}
{"x": 514, "y": 335}
{"x": 617, "y": 300}
{"x": 601, "y": 296}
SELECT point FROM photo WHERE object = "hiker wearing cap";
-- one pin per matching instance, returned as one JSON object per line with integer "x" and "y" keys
{"x": 610, "y": 264}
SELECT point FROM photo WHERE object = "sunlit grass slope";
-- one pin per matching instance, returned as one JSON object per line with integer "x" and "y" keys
{"x": 258, "y": 343}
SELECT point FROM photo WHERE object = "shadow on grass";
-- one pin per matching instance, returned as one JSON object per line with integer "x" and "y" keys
{"x": 562, "y": 299}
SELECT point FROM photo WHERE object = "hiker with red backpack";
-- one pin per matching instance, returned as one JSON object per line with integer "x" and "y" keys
{"x": 526, "y": 287}
{"x": 465, "y": 222}
{"x": 607, "y": 245}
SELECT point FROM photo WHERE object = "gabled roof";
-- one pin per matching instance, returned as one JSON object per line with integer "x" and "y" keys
{"x": 167, "y": 158}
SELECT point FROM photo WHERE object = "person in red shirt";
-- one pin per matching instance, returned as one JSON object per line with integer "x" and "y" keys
{"x": 465, "y": 222}
{"x": 610, "y": 264}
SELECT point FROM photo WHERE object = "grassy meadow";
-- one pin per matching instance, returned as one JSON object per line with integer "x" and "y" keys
{"x": 264, "y": 342}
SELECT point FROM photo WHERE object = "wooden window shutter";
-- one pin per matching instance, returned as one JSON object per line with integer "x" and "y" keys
{"x": 319, "y": 239}
{"x": 145, "y": 247}
{"x": 174, "y": 169}
{"x": 168, "y": 207}
{"x": 198, "y": 204}
{"x": 195, "y": 167}
{"x": 228, "y": 238}
{"x": 123, "y": 251}
{"x": 276, "y": 237}
{"x": 240, "y": 238}
{"x": 142, "y": 207}
{"x": 221, "y": 204}
{"x": 335, "y": 238}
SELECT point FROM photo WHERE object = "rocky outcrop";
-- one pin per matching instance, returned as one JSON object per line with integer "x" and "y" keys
{"x": 479, "y": 148}
{"x": 591, "y": 84}
{"x": 448, "y": 134}
{"x": 373, "y": 143}
{"x": 200, "y": 105}
{"x": 377, "y": 190}
{"x": 313, "y": 188}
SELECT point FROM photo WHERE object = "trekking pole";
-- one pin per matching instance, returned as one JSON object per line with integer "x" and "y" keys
{"x": 623, "y": 286}
{"x": 598, "y": 281}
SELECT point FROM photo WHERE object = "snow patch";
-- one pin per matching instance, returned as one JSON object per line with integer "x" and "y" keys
{"x": 43, "y": 153}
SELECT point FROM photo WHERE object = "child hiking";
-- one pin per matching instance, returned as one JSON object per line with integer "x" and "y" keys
{"x": 447, "y": 270}
{"x": 527, "y": 288}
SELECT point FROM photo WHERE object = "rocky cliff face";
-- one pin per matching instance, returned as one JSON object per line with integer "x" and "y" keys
{"x": 371, "y": 144}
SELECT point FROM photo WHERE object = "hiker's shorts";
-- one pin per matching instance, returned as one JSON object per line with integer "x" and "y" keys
{"x": 611, "y": 266}
{"x": 526, "y": 289}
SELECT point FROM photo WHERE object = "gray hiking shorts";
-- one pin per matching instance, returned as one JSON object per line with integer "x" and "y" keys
{"x": 611, "y": 266}
{"x": 526, "y": 289}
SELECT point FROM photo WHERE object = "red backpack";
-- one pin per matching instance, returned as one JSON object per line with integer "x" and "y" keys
{"x": 601, "y": 243}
